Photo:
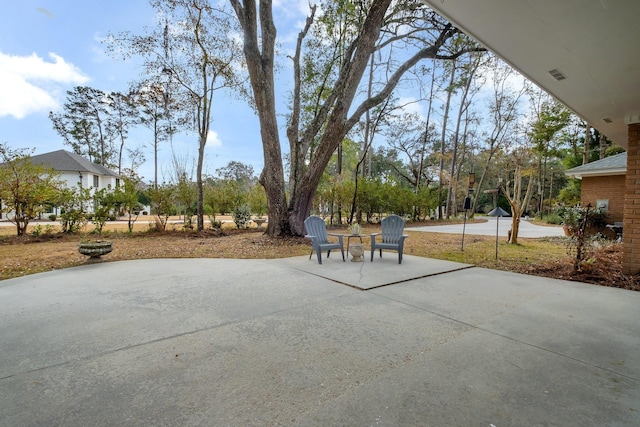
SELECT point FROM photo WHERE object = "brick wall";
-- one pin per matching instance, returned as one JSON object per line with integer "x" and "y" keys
{"x": 631, "y": 235}
{"x": 610, "y": 188}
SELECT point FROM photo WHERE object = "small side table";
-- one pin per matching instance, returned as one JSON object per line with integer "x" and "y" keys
{"x": 350, "y": 236}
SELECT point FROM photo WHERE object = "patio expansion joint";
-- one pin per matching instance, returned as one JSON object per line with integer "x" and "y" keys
{"x": 360, "y": 288}
{"x": 466, "y": 267}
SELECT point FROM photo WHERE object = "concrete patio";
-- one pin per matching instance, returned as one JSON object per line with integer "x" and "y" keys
{"x": 289, "y": 342}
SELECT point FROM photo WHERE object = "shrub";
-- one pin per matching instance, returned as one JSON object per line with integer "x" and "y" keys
{"x": 578, "y": 218}
{"x": 242, "y": 215}
{"x": 52, "y": 217}
{"x": 37, "y": 230}
{"x": 553, "y": 218}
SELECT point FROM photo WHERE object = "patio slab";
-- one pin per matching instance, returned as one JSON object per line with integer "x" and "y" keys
{"x": 264, "y": 342}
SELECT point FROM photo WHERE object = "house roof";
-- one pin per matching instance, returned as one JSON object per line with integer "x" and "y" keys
{"x": 584, "y": 52}
{"x": 65, "y": 161}
{"x": 613, "y": 165}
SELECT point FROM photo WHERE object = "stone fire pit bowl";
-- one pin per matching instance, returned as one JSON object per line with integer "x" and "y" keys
{"x": 95, "y": 249}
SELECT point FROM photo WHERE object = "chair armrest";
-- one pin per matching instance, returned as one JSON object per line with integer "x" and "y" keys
{"x": 374, "y": 234}
{"x": 339, "y": 236}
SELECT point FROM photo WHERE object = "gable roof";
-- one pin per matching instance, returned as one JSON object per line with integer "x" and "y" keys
{"x": 65, "y": 161}
{"x": 613, "y": 165}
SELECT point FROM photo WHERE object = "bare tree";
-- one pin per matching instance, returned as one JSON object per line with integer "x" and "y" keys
{"x": 504, "y": 112}
{"x": 123, "y": 114}
{"x": 83, "y": 124}
{"x": 373, "y": 26}
{"x": 193, "y": 44}
{"x": 159, "y": 112}
{"x": 514, "y": 190}
{"x": 468, "y": 90}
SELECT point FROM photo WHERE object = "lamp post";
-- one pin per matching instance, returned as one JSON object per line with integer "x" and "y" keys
{"x": 467, "y": 204}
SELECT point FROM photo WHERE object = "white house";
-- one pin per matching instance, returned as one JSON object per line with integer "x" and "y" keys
{"x": 75, "y": 169}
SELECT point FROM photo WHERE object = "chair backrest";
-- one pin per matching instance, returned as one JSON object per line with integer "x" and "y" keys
{"x": 392, "y": 227}
{"x": 316, "y": 226}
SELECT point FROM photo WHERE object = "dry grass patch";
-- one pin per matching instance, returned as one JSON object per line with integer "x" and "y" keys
{"x": 543, "y": 257}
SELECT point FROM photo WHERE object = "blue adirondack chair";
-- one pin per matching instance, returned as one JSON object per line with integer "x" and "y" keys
{"x": 392, "y": 237}
{"x": 317, "y": 232}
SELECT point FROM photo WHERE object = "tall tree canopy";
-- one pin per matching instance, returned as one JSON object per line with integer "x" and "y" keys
{"x": 193, "y": 46}
{"x": 402, "y": 33}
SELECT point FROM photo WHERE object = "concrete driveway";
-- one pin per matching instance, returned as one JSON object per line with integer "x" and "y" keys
{"x": 488, "y": 228}
{"x": 213, "y": 342}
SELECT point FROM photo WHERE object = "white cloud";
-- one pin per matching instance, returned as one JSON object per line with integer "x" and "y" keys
{"x": 30, "y": 84}
{"x": 411, "y": 105}
{"x": 213, "y": 140}
{"x": 293, "y": 7}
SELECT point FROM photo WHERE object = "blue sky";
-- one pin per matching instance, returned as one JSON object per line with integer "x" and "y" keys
{"x": 49, "y": 46}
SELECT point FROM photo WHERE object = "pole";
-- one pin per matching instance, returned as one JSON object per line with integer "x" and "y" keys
{"x": 464, "y": 225}
{"x": 551, "y": 192}
{"x": 497, "y": 224}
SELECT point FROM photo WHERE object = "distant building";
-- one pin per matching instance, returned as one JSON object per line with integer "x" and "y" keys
{"x": 74, "y": 169}
{"x": 603, "y": 184}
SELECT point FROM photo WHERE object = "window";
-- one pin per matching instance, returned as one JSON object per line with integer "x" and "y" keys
{"x": 96, "y": 181}
{"x": 117, "y": 182}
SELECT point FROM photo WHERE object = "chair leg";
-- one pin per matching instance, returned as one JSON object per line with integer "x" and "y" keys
{"x": 342, "y": 250}
{"x": 319, "y": 253}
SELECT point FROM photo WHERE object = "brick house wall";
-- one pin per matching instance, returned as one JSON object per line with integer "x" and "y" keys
{"x": 610, "y": 188}
{"x": 631, "y": 236}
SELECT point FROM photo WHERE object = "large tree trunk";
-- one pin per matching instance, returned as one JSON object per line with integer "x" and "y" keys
{"x": 330, "y": 124}
{"x": 587, "y": 143}
{"x": 199, "y": 185}
{"x": 443, "y": 139}
{"x": 517, "y": 204}
{"x": 260, "y": 63}
{"x": 337, "y": 123}
{"x": 515, "y": 228}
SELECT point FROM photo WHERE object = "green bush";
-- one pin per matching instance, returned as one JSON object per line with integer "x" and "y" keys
{"x": 37, "y": 230}
{"x": 552, "y": 218}
{"x": 576, "y": 216}
{"x": 52, "y": 217}
{"x": 242, "y": 216}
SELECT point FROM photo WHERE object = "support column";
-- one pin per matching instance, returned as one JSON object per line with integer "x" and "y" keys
{"x": 631, "y": 234}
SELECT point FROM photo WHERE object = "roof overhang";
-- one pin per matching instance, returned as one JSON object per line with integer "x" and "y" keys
{"x": 609, "y": 172}
{"x": 592, "y": 43}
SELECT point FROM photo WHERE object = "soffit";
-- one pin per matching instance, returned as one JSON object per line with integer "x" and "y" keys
{"x": 594, "y": 43}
